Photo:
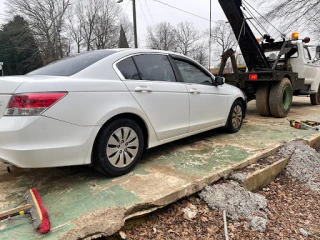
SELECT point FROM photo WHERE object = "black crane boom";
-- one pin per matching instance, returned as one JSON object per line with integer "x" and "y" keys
{"x": 251, "y": 51}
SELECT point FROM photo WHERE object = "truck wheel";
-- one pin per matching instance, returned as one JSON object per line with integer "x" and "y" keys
{"x": 262, "y": 101}
{"x": 315, "y": 98}
{"x": 280, "y": 98}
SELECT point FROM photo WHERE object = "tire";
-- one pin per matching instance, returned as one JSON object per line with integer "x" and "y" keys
{"x": 315, "y": 98}
{"x": 280, "y": 98}
{"x": 235, "y": 118}
{"x": 262, "y": 100}
{"x": 118, "y": 148}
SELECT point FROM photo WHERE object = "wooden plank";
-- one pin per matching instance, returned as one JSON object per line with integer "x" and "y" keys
{"x": 15, "y": 211}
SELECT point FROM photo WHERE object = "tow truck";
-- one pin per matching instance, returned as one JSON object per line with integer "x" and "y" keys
{"x": 275, "y": 70}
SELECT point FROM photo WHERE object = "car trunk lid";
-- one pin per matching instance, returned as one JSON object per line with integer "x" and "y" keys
{"x": 8, "y": 86}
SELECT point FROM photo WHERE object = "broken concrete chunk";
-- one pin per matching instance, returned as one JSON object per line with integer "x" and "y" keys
{"x": 259, "y": 224}
{"x": 238, "y": 202}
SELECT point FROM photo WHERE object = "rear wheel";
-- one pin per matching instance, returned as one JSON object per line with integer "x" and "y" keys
{"x": 280, "y": 98}
{"x": 315, "y": 98}
{"x": 235, "y": 118}
{"x": 262, "y": 100}
{"x": 118, "y": 148}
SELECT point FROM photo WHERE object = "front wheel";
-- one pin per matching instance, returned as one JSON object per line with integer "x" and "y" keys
{"x": 118, "y": 148}
{"x": 235, "y": 118}
{"x": 280, "y": 98}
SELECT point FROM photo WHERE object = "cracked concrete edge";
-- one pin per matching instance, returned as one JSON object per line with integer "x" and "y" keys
{"x": 314, "y": 142}
{"x": 262, "y": 177}
{"x": 106, "y": 222}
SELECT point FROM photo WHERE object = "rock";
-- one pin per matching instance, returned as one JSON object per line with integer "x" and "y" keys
{"x": 304, "y": 164}
{"x": 304, "y": 232}
{"x": 259, "y": 224}
{"x": 236, "y": 200}
{"x": 190, "y": 212}
{"x": 123, "y": 235}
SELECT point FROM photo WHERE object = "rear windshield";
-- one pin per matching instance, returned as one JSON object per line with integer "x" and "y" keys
{"x": 72, "y": 65}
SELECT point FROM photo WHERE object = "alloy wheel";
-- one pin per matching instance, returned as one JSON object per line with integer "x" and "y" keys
{"x": 122, "y": 147}
{"x": 237, "y": 116}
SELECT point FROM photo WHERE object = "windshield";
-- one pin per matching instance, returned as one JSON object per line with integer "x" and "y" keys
{"x": 72, "y": 65}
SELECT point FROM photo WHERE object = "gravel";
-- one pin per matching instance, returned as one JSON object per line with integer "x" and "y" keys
{"x": 238, "y": 202}
{"x": 304, "y": 164}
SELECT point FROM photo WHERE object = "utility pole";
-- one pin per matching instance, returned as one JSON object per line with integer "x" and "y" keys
{"x": 134, "y": 22}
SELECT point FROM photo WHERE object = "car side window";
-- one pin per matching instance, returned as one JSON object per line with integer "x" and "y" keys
{"x": 128, "y": 69}
{"x": 192, "y": 74}
{"x": 154, "y": 67}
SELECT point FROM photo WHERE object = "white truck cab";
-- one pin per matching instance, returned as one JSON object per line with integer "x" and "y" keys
{"x": 306, "y": 64}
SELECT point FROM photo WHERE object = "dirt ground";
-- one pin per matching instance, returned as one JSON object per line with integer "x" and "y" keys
{"x": 293, "y": 209}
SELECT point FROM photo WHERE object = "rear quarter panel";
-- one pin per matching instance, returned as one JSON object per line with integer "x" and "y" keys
{"x": 89, "y": 102}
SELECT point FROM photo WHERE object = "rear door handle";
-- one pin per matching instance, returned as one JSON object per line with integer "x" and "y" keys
{"x": 143, "y": 89}
{"x": 194, "y": 90}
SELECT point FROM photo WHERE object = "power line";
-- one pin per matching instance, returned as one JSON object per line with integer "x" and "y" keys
{"x": 126, "y": 6}
{"x": 264, "y": 18}
{"x": 181, "y": 10}
{"x": 255, "y": 19}
{"x": 149, "y": 12}
{"x": 143, "y": 13}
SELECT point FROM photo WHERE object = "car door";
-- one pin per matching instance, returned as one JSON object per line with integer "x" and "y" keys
{"x": 208, "y": 103}
{"x": 152, "y": 82}
{"x": 310, "y": 67}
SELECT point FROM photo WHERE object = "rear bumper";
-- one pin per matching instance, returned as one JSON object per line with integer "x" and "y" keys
{"x": 37, "y": 142}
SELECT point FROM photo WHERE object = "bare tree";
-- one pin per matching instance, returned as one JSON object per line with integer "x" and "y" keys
{"x": 201, "y": 53}
{"x": 75, "y": 26}
{"x": 88, "y": 11}
{"x": 187, "y": 36}
{"x": 46, "y": 18}
{"x": 162, "y": 36}
{"x": 106, "y": 30}
{"x": 223, "y": 38}
{"x": 293, "y": 13}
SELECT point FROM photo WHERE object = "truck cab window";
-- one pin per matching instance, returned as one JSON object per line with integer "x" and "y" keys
{"x": 306, "y": 53}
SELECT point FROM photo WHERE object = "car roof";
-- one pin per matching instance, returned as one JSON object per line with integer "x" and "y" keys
{"x": 142, "y": 50}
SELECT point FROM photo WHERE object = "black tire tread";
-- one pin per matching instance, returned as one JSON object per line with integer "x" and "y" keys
{"x": 229, "y": 126}
{"x": 276, "y": 98}
{"x": 315, "y": 98}
{"x": 99, "y": 163}
{"x": 262, "y": 100}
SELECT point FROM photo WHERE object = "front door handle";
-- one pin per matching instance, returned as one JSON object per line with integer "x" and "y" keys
{"x": 143, "y": 89}
{"x": 194, "y": 90}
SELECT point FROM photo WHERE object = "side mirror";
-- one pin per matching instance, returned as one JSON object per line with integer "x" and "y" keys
{"x": 219, "y": 81}
{"x": 318, "y": 53}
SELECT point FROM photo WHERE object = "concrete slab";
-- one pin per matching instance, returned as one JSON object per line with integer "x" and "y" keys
{"x": 81, "y": 203}
{"x": 254, "y": 180}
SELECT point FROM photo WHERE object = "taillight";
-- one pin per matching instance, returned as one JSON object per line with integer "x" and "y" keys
{"x": 253, "y": 77}
{"x": 31, "y": 104}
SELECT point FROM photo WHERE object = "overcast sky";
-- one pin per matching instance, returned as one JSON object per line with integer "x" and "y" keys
{"x": 160, "y": 12}
{"x": 151, "y": 12}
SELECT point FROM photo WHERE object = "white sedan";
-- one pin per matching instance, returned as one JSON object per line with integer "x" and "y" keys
{"x": 106, "y": 107}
